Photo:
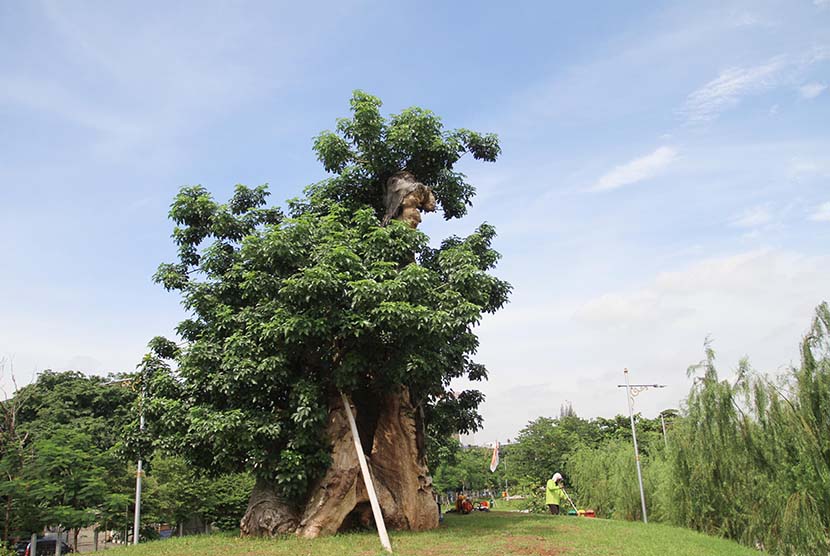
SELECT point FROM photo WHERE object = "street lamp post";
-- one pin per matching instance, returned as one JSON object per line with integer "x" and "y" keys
{"x": 633, "y": 390}
{"x": 138, "y": 472}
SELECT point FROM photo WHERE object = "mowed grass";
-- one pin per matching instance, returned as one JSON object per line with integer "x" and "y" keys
{"x": 495, "y": 533}
{"x": 504, "y": 505}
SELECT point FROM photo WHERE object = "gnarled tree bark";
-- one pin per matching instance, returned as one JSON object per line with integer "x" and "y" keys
{"x": 339, "y": 501}
{"x": 267, "y": 514}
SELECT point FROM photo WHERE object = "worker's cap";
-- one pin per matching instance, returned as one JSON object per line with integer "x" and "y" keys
{"x": 557, "y": 477}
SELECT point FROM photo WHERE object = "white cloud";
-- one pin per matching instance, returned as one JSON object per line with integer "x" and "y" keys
{"x": 636, "y": 170}
{"x": 756, "y": 304}
{"x": 752, "y": 217}
{"x": 821, "y": 3}
{"x": 822, "y": 213}
{"x": 726, "y": 91}
{"x": 811, "y": 90}
{"x": 641, "y": 306}
{"x": 748, "y": 19}
{"x": 818, "y": 53}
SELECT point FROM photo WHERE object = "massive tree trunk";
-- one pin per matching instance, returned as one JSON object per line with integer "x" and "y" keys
{"x": 392, "y": 438}
{"x": 267, "y": 514}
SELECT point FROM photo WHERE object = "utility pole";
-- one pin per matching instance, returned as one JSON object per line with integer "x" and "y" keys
{"x": 138, "y": 472}
{"x": 631, "y": 391}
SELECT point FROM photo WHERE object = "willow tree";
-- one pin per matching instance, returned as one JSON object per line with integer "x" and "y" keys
{"x": 341, "y": 293}
{"x": 751, "y": 459}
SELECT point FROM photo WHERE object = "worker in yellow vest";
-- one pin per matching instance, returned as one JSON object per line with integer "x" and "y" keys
{"x": 554, "y": 493}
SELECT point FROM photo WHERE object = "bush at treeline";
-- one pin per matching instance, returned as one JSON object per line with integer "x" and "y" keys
{"x": 546, "y": 445}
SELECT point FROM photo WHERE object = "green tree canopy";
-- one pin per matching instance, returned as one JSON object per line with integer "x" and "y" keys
{"x": 177, "y": 492}
{"x": 544, "y": 445}
{"x": 98, "y": 406}
{"x": 288, "y": 311}
{"x": 469, "y": 469}
{"x": 367, "y": 149}
{"x": 65, "y": 467}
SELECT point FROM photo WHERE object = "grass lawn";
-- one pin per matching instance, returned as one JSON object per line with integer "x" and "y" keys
{"x": 493, "y": 534}
{"x": 504, "y": 505}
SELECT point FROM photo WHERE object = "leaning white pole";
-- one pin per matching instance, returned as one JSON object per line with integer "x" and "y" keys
{"x": 367, "y": 479}
{"x": 636, "y": 451}
{"x": 506, "y": 489}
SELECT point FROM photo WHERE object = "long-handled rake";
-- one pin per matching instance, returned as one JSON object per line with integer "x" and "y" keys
{"x": 569, "y": 500}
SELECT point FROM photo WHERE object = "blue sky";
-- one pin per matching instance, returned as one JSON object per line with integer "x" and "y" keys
{"x": 665, "y": 176}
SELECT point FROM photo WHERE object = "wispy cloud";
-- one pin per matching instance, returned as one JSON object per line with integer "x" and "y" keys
{"x": 811, "y": 90}
{"x": 724, "y": 92}
{"x": 752, "y": 217}
{"x": 822, "y": 213}
{"x": 817, "y": 53}
{"x": 636, "y": 170}
{"x": 809, "y": 167}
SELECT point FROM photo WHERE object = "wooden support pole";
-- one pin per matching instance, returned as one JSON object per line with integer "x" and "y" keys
{"x": 367, "y": 478}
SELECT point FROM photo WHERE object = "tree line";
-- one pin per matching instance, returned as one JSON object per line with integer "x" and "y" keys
{"x": 747, "y": 458}
{"x": 542, "y": 447}
{"x": 65, "y": 465}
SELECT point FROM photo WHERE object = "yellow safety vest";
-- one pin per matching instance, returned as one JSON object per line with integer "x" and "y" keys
{"x": 553, "y": 493}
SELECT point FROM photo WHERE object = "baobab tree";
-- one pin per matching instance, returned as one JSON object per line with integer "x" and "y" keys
{"x": 339, "y": 293}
